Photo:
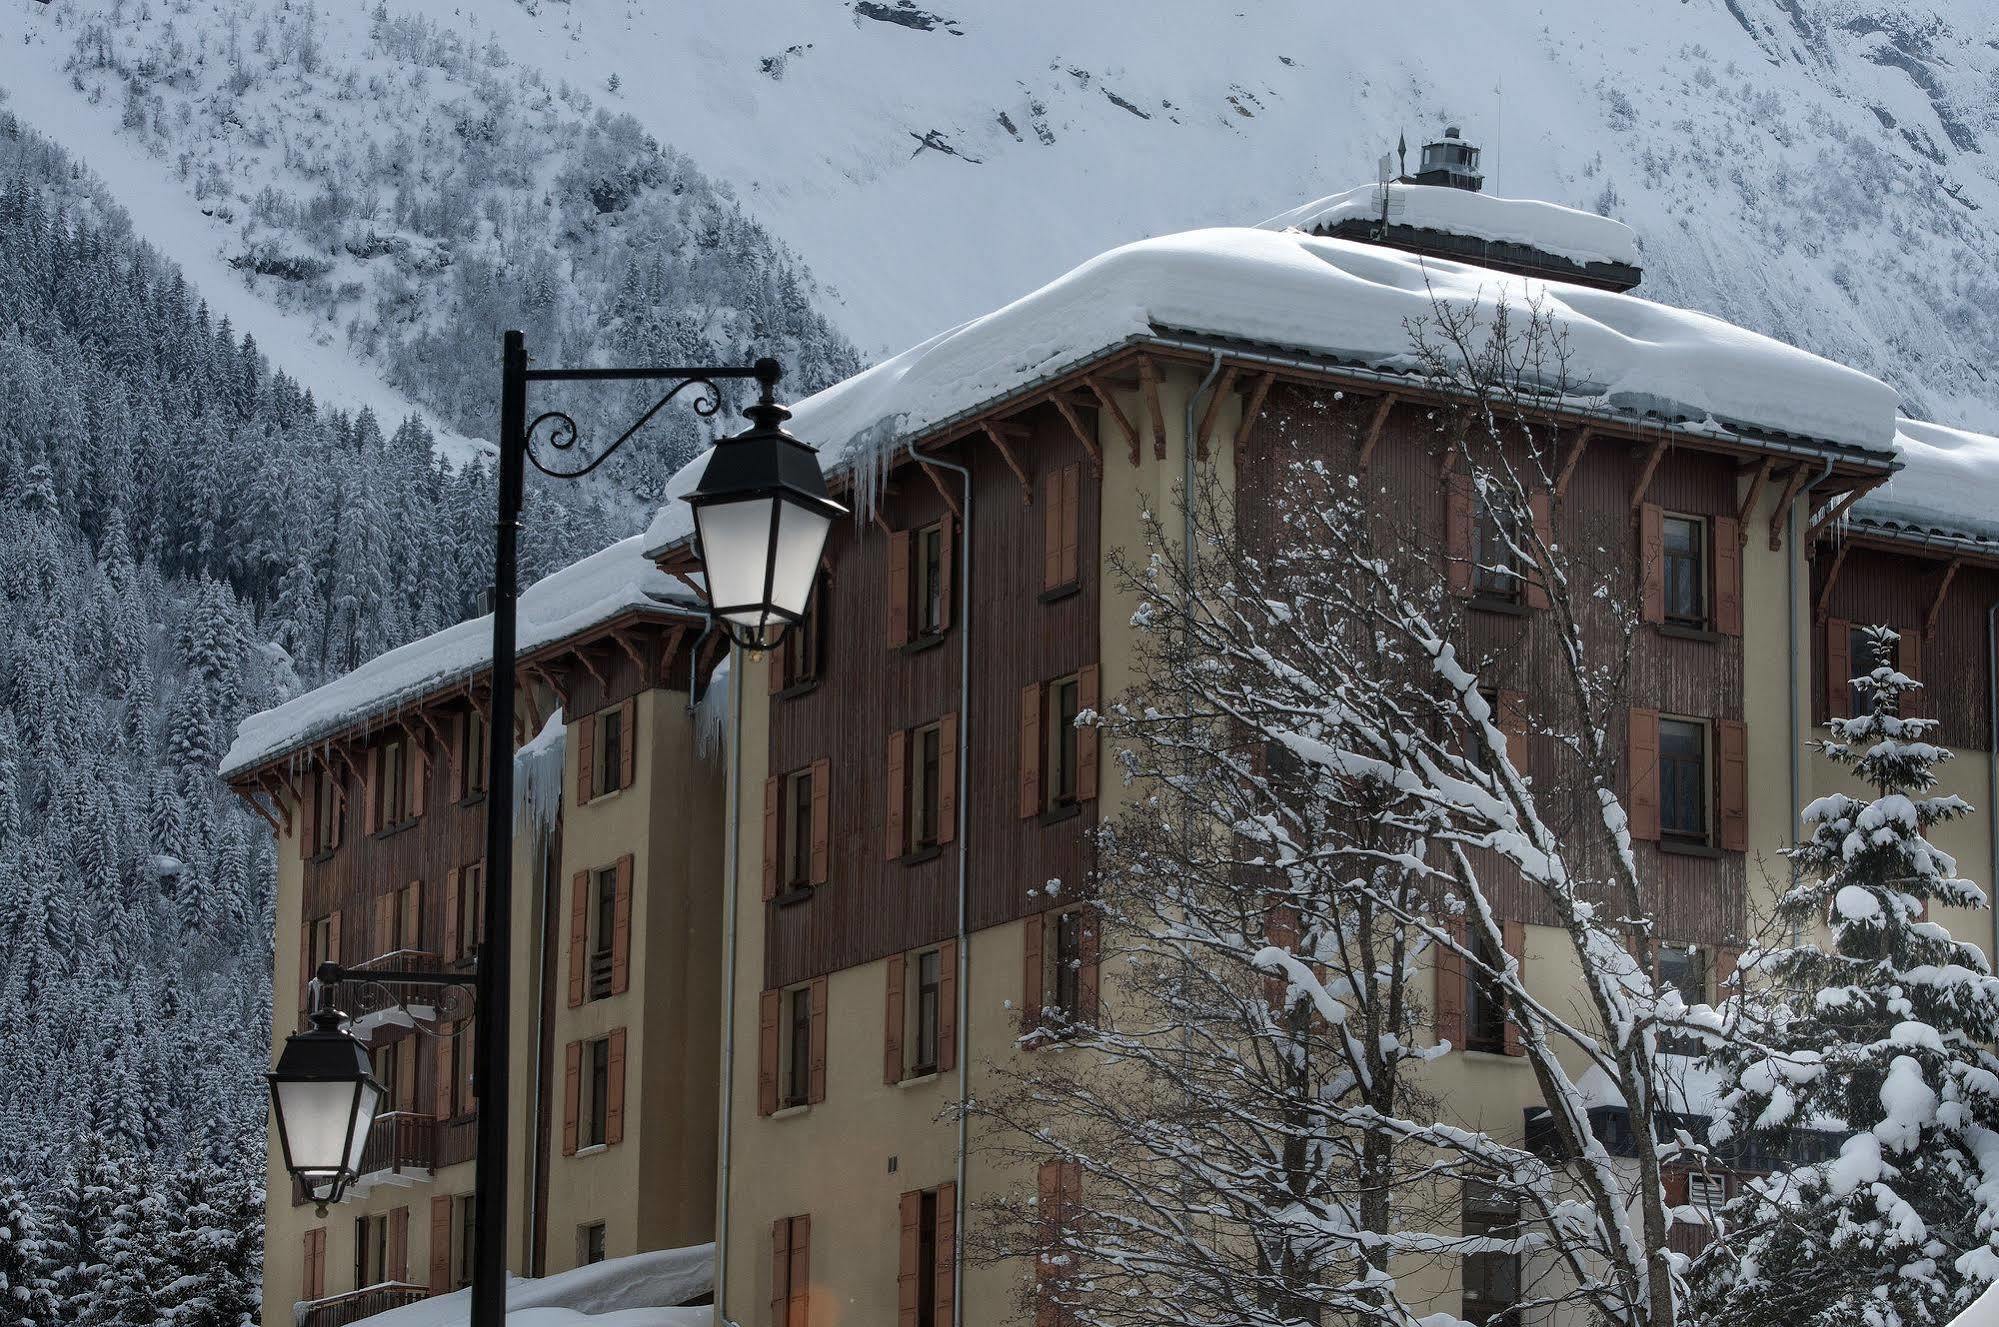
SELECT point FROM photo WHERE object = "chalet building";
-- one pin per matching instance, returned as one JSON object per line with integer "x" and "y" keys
{"x": 912, "y": 801}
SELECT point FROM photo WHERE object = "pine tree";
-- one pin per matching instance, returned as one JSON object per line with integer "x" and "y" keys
{"x": 27, "y": 1284}
{"x": 214, "y": 1247}
{"x": 1880, "y": 1034}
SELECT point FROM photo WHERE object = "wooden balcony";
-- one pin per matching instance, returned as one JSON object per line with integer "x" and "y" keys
{"x": 401, "y": 1150}
{"x": 354, "y": 1305}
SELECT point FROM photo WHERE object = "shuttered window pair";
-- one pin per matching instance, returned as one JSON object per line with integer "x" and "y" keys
{"x": 1059, "y": 1206}
{"x": 325, "y": 812}
{"x": 1688, "y": 780}
{"x": 797, "y": 829}
{"x": 593, "y": 1093}
{"x": 464, "y": 910}
{"x": 382, "y": 1248}
{"x": 791, "y": 1047}
{"x": 1469, "y": 1012}
{"x": 399, "y": 921}
{"x": 922, "y": 793}
{"x": 395, "y": 1070}
{"x": 921, "y": 582}
{"x": 396, "y": 789}
{"x": 791, "y": 1272}
{"x": 1479, "y": 539}
{"x": 1058, "y": 760}
{"x": 920, "y": 1014}
{"x": 926, "y": 1284}
{"x": 1849, "y": 653}
{"x": 607, "y": 750}
{"x": 1690, "y": 570}
{"x": 600, "y": 932}
{"x": 1059, "y": 972}
{"x": 1061, "y": 537}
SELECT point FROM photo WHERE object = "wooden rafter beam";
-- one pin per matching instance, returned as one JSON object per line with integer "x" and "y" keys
{"x": 549, "y": 678}
{"x": 1838, "y": 510}
{"x": 1075, "y": 423}
{"x": 1571, "y": 461}
{"x": 1756, "y": 487}
{"x": 713, "y": 649}
{"x": 950, "y": 499}
{"x": 1792, "y": 485}
{"x": 1644, "y": 483}
{"x": 1252, "y": 409}
{"x": 1831, "y": 579}
{"x": 347, "y": 759}
{"x": 278, "y": 797}
{"x": 1117, "y": 414}
{"x": 670, "y": 647}
{"x": 582, "y": 653}
{"x": 251, "y": 798}
{"x": 1012, "y": 462}
{"x": 473, "y": 699}
{"x": 450, "y": 747}
{"x": 1214, "y": 411}
{"x": 1936, "y": 604}
{"x": 624, "y": 640}
{"x": 1148, "y": 377}
{"x": 700, "y": 591}
{"x": 1375, "y": 428}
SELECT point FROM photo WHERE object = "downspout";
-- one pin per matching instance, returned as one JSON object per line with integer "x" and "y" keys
{"x": 1797, "y": 555}
{"x": 730, "y": 867}
{"x": 1187, "y": 493}
{"x": 964, "y": 1051}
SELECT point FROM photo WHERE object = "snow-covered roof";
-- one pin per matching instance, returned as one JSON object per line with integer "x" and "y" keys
{"x": 585, "y": 594}
{"x": 1582, "y": 237}
{"x": 635, "y": 1291}
{"x": 1949, "y": 485}
{"x": 1336, "y": 298}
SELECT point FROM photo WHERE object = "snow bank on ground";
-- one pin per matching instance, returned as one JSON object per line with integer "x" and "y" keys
{"x": 578, "y": 597}
{"x": 638, "y": 1291}
{"x": 1948, "y": 485}
{"x": 1983, "y": 1312}
{"x": 1332, "y": 297}
{"x": 1567, "y": 232}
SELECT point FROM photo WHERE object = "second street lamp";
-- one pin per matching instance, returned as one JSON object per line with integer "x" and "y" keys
{"x": 325, "y": 1096}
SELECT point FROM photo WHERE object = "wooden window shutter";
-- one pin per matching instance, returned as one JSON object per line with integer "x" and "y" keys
{"x": 947, "y": 779}
{"x": 614, "y": 1105}
{"x": 1031, "y": 972}
{"x": 770, "y": 838}
{"x": 572, "y": 1094}
{"x": 454, "y": 902}
{"x": 1838, "y": 668}
{"x": 1512, "y": 721}
{"x": 777, "y": 674}
{"x": 628, "y": 745}
{"x": 1651, "y": 563}
{"x": 308, "y": 818}
{"x": 1727, "y": 575}
{"x": 767, "y": 1016}
{"x": 897, "y": 795}
{"x": 1030, "y": 750}
{"x": 385, "y": 923}
{"x": 947, "y": 1253}
{"x": 1643, "y": 774}
{"x": 1513, "y": 936}
{"x": 440, "y": 1243}
{"x": 822, "y": 819}
{"x": 579, "y": 935}
{"x": 1909, "y": 662}
{"x": 1674, "y": 1180}
{"x": 419, "y": 777}
{"x": 1086, "y": 975}
{"x": 1051, "y": 530}
{"x": 893, "y": 1008}
{"x": 447, "y": 1076}
{"x": 799, "y": 1309}
{"x": 1072, "y": 501}
{"x": 372, "y": 779}
{"x": 410, "y": 934}
{"x": 947, "y": 1007}
{"x": 1539, "y": 509}
{"x": 947, "y": 538}
{"x": 817, "y": 1090}
{"x": 1460, "y": 531}
{"x": 907, "y": 1277}
{"x": 461, "y": 755}
{"x": 898, "y": 589}
{"x": 308, "y": 1256}
{"x": 1727, "y": 959}
{"x": 621, "y": 929}
{"x": 405, "y": 1074}
{"x": 1734, "y": 734}
{"x": 780, "y": 1271}
{"x": 399, "y": 1243}
{"x": 586, "y": 759}
{"x": 1086, "y": 740}
{"x": 1450, "y": 993}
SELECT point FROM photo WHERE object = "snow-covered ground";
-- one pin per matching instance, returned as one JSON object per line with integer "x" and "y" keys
{"x": 639, "y": 1291}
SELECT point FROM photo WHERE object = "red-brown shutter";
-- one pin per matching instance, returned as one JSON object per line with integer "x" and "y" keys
{"x": 1512, "y": 721}
{"x": 770, "y": 839}
{"x": 892, "y": 1018}
{"x": 1031, "y": 973}
{"x": 1513, "y": 938}
{"x": 1450, "y": 993}
{"x": 799, "y": 1310}
{"x": 614, "y": 1106}
{"x": 1734, "y": 784}
{"x": 780, "y": 1271}
{"x": 1652, "y": 563}
{"x": 1838, "y": 668}
{"x": 947, "y": 1006}
{"x": 447, "y": 1077}
{"x": 399, "y": 1243}
{"x": 895, "y": 838}
{"x": 777, "y": 675}
{"x": 628, "y": 748}
{"x": 1086, "y": 740}
{"x": 1728, "y": 575}
{"x": 767, "y": 1016}
{"x": 1642, "y": 769}
{"x": 947, "y": 779}
{"x": 572, "y": 1094}
{"x": 454, "y": 904}
{"x": 947, "y": 538}
{"x": 1727, "y": 959}
{"x": 406, "y": 1074}
{"x": 1086, "y": 972}
{"x": 822, "y": 819}
{"x": 1460, "y": 531}
{"x": 621, "y": 929}
{"x": 1051, "y": 530}
{"x": 1674, "y": 1180}
{"x": 947, "y": 1253}
{"x": 898, "y": 589}
{"x": 1072, "y": 502}
{"x": 419, "y": 777}
{"x": 371, "y": 779}
{"x": 586, "y": 759}
{"x": 1909, "y": 662}
{"x": 817, "y": 1091}
{"x": 308, "y": 817}
{"x": 309, "y": 1288}
{"x": 1539, "y": 508}
{"x": 1030, "y": 750}
{"x": 440, "y": 1243}
{"x": 579, "y": 933}
{"x": 907, "y": 1277}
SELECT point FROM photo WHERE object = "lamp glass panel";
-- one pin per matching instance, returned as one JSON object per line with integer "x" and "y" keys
{"x": 364, "y": 1124}
{"x": 801, "y": 537}
{"x": 316, "y": 1114}
{"x": 735, "y": 548}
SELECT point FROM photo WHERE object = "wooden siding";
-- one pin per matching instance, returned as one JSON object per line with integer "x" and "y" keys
{"x": 871, "y": 907}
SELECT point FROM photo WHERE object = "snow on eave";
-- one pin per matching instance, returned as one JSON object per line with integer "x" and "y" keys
{"x": 1944, "y": 494}
{"x": 615, "y": 582}
{"x": 1565, "y": 232}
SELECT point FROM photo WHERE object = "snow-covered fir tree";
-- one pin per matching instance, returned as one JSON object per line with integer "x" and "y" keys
{"x": 1881, "y": 1037}
{"x": 27, "y": 1275}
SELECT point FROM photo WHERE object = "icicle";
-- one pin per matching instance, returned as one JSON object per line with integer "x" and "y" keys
{"x": 712, "y": 712}
{"x": 538, "y": 775}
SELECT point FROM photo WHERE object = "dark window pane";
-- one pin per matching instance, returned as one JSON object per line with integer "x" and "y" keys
{"x": 1069, "y": 964}
{"x": 927, "y": 1011}
{"x": 1494, "y": 575}
{"x": 1063, "y": 717}
{"x": 1682, "y": 778}
{"x": 1685, "y": 571}
{"x": 799, "y": 1086}
{"x": 800, "y": 856}
{"x": 1485, "y": 1010}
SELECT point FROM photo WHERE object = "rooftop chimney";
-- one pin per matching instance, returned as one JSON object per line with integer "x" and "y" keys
{"x": 1452, "y": 162}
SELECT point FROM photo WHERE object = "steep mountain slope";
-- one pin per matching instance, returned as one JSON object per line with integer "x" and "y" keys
{"x": 1826, "y": 171}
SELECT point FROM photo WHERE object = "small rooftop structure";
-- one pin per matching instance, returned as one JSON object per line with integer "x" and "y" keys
{"x": 1450, "y": 163}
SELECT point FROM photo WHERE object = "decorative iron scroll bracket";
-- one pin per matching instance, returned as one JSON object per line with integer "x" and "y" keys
{"x": 563, "y": 435}
{"x": 378, "y": 994}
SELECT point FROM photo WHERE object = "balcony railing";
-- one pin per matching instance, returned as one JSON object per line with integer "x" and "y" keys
{"x": 354, "y": 1305}
{"x": 378, "y": 1000}
{"x": 600, "y": 973}
{"x": 402, "y": 1149}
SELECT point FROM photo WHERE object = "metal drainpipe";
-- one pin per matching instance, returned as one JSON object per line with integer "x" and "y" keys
{"x": 1797, "y": 555}
{"x": 729, "y": 870}
{"x": 1992, "y": 767}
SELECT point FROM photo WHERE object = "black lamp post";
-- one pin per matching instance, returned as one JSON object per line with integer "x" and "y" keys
{"x": 763, "y": 458}
{"x": 324, "y": 1093}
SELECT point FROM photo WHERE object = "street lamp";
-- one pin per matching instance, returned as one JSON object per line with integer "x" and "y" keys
{"x": 762, "y": 516}
{"x": 325, "y": 1096}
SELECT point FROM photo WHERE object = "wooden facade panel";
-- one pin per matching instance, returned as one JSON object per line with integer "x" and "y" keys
{"x": 870, "y": 907}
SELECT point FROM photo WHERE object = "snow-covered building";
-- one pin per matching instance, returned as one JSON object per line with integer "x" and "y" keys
{"x": 914, "y": 802}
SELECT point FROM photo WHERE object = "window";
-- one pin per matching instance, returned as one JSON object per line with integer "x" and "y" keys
{"x": 387, "y": 1060}
{"x": 611, "y": 737}
{"x": 925, "y": 787}
{"x": 1683, "y": 780}
{"x": 319, "y": 946}
{"x": 1706, "y": 1190}
{"x": 392, "y": 796}
{"x": 590, "y": 1243}
{"x": 1067, "y": 987}
{"x": 1497, "y": 532}
{"x": 1063, "y": 706}
{"x": 791, "y": 1271}
{"x": 926, "y": 1259}
{"x": 927, "y": 566}
{"x": 1491, "y": 1280}
{"x": 593, "y": 1126}
{"x": 798, "y": 1047}
{"x": 371, "y": 1250}
{"x": 798, "y": 830}
{"x": 467, "y": 1229}
{"x": 475, "y": 755}
{"x": 1682, "y": 968}
{"x": 1684, "y": 552}
{"x": 459, "y": 1066}
{"x": 1485, "y": 1008}
{"x": 471, "y": 918}
{"x": 326, "y": 813}
{"x": 798, "y": 658}
{"x": 928, "y": 1012}
{"x": 603, "y": 927}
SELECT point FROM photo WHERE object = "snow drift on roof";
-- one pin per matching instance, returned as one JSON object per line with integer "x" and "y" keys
{"x": 580, "y": 596}
{"x": 1949, "y": 483}
{"x": 1582, "y": 237}
{"x": 1330, "y": 297}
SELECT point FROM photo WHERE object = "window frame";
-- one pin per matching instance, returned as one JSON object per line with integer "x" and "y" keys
{"x": 795, "y": 832}
{"x": 600, "y": 940}
{"x": 593, "y": 1113}
{"x": 1063, "y": 991}
{"x": 1485, "y": 1008}
{"x": 591, "y": 1242}
{"x": 1489, "y": 586}
{"x": 926, "y": 996}
{"x": 801, "y": 654}
{"x": 371, "y": 1249}
{"x": 1061, "y": 778}
{"x": 1701, "y": 958}
{"x": 928, "y": 595}
{"x": 795, "y": 1048}
{"x": 392, "y": 797}
{"x": 476, "y": 754}
{"x": 1699, "y": 578}
{"x": 465, "y": 1231}
{"x": 923, "y": 769}
{"x": 608, "y": 752}
{"x": 1486, "y": 1218}
{"x": 1671, "y": 768}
